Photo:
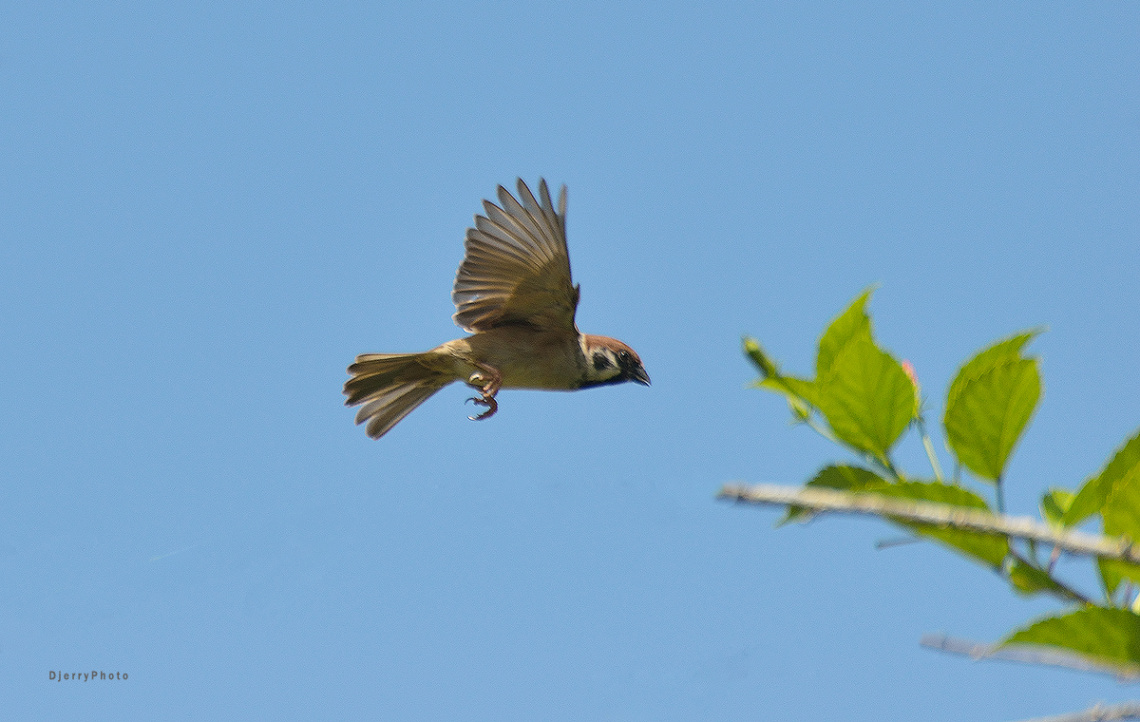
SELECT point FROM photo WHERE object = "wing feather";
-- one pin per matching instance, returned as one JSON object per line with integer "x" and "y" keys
{"x": 516, "y": 269}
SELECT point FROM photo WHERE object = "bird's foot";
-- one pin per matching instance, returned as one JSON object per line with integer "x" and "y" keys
{"x": 484, "y": 400}
{"x": 488, "y": 380}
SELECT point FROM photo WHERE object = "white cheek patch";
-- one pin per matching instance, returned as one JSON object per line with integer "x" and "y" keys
{"x": 604, "y": 366}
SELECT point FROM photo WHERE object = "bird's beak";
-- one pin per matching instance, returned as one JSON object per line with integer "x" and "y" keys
{"x": 639, "y": 375}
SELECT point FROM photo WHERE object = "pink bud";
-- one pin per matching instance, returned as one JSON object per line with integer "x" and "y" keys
{"x": 908, "y": 367}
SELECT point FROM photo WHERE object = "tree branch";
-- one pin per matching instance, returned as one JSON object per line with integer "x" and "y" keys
{"x": 1029, "y": 655}
{"x": 831, "y": 501}
{"x": 1097, "y": 713}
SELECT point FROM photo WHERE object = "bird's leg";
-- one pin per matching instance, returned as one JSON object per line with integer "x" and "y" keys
{"x": 489, "y": 381}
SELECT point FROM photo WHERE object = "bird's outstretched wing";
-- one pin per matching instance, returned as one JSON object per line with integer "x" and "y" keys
{"x": 516, "y": 269}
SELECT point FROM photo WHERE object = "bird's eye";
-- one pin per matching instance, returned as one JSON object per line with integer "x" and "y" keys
{"x": 623, "y": 356}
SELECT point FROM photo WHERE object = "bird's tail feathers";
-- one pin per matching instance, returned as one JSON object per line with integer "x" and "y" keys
{"x": 390, "y": 386}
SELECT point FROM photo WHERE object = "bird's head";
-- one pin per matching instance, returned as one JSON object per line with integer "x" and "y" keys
{"x": 609, "y": 361}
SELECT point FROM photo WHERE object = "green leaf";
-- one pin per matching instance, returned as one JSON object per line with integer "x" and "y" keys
{"x": 1121, "y": 510}
{"x": 791, "y": 387}
{"x": 991, "y": 549}
{"x": 1104, "y": 636}
{"x": 1089, "y": 500}
{"x": 853, "y": 323}
{"x": 1054, "y": 504}
{"x": 1110, "y": 576}
{"x": 980, "y": 447}
{"x": 1114, "y": 493}
{"x": 1029, "y": 580}
{"x": 986, "y": 416}
{"x": 845, "y": 477}
{"x": 1121, "y": 514}
{"x": 867, "y": 399}
{"x": 1114, "y": 571}
{"x": 988, "y": 358}
{"x": 1094, "y": 495}
{"x": 841, "y": 477}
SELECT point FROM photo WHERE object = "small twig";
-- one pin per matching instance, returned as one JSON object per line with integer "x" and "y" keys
{"x": 897, "y": 542}
{"x": 1029, "y": 655}
{"x": 925, "y": 512}
{"x": 1097, "y": 713}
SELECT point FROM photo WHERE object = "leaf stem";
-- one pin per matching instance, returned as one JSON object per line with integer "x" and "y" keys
{"x": 889, "y": 467}
{"x": 926, "y": 444}
{"x": 1064, "y": 591}
{"x": 811, "y": 422}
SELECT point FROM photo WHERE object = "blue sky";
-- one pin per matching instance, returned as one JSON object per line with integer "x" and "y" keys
{"x": 208, "y": 209}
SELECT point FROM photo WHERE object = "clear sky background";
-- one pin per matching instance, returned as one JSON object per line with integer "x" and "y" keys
{"x": 207, "y": 209}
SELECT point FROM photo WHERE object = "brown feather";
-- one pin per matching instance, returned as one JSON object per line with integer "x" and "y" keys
{"x": 610, "y": 343}
{"x": 391, "y": 386}
{"x": 516, "y": 269}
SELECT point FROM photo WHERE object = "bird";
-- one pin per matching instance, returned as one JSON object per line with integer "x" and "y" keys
{"x": 514, "y": 294}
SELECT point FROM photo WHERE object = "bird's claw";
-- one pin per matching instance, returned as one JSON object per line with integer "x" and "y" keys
{"x": 487, "y": 380}
{"x": 484, "y": 400}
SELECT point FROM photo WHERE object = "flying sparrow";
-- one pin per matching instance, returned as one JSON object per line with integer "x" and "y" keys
{"x": 513, "y": 293}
